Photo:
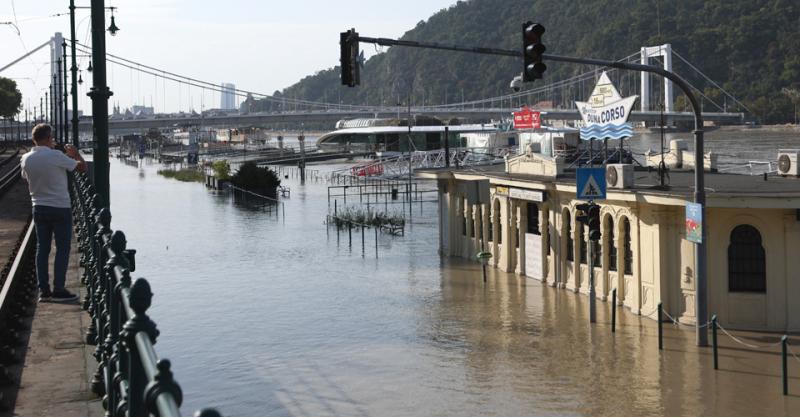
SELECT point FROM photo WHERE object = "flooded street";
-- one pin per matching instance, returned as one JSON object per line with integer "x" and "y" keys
{"x": 263, "y": 315}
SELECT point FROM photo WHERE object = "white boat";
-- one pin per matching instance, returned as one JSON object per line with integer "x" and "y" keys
{"x": 392, "y": 136}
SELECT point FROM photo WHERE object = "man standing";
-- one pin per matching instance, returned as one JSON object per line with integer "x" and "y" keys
{"x": 46, "y": 171}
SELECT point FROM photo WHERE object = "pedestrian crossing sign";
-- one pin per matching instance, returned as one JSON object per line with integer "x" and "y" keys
{"x": 591, "y": 183}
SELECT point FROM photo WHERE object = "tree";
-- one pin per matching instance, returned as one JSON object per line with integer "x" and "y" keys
{"x": 10, "y": 97}
{"x": 259, "y": 180}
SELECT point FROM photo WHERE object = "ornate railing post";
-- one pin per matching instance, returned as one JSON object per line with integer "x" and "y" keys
{"x": 98, "y": 308}
{"x": 117, "y": 245}
{"x": 139, "y": 299}
{"x": 119, "y": 402}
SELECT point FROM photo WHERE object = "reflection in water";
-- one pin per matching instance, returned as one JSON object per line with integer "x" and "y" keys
{"x": 264, "y": 317}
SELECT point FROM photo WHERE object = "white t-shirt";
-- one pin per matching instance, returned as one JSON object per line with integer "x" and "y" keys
{"x": 46, "y": 172}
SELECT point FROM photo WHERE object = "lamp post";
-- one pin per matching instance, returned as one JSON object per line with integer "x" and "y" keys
{"x": 100, "y": 94}
{"x": 66, "y": 98}
{"x": 75, "y": 140}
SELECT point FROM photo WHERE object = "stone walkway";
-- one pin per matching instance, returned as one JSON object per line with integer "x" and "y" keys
{"x": 57, "y": 366}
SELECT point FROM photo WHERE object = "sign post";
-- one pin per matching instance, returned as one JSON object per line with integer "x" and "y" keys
{"x": 591, "y": 183}
{"x": 527, "y": 119}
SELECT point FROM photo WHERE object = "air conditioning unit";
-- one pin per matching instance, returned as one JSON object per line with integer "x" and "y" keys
{"x": 619, "y": 175}
{"x": 787, "y": 162}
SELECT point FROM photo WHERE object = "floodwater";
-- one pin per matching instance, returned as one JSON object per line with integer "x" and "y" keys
{"x": 263, "y": 315}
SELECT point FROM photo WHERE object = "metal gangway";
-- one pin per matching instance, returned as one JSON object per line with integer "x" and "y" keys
{"x": 404, "y": 165}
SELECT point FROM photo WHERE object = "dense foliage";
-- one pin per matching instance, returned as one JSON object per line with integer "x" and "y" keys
{"x": 186, "y": 174}
{"x": 259, "y": 180}
{"x": 10, "y": 97}
{"x": 749, "y": 47}
{"x": 222, "y": 170}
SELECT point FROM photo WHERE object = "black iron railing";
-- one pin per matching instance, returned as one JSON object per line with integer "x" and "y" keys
{"x": 134, "y": 381}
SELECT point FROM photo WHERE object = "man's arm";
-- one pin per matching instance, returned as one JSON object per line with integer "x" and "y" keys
{"x": 73, "y": 153}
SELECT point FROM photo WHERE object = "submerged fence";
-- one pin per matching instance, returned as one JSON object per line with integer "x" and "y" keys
{"x": 134, "y": 381}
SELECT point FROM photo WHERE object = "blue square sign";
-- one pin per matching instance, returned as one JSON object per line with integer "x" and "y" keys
{"x": 591, "y": 183}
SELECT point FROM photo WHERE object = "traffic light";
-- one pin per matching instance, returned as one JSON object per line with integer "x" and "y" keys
{"x": 348, "y": 41}
{"x": 583, "y": 213}
{"x": 594, "y": 222}
{"x": 532, "y": 50}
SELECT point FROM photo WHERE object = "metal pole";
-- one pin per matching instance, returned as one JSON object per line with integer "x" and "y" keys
{"x": 100, "y": 94}
{"x": 660, "y": 331}
{"x": 75, "y": 139}
{"x": 592, "y": 298}
{"x": 447, "y": 146}
{"x": 714, "y": 340}
{"x": 54, "y": 104}
{"x": 66, "y": 97}
{"x": 785, "y": 374}
{"x": 614, "y": 310}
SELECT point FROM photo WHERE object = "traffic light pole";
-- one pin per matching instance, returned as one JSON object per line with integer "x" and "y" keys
{"x": 701, "y": 284}
{"x": 592, "y": 297}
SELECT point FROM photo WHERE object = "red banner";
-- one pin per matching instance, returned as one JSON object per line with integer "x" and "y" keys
{"x": 527, "y": 119}
{"x": 367, "y": 170}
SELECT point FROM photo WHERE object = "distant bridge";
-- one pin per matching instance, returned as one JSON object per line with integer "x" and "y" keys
{"x": 487, "y": 114}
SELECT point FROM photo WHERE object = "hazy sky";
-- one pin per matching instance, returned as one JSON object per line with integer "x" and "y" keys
{"x": 260, "y": 46}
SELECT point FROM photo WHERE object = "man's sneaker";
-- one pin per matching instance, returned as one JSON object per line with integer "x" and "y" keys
{"x": 63, "y": 295}
{"x": 45, "y": 296}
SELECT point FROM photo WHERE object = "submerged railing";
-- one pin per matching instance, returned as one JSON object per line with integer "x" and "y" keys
{"x": 130, "y": 376}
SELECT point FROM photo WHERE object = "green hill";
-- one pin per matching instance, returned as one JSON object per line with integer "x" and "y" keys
{"x": 749, "y": 47}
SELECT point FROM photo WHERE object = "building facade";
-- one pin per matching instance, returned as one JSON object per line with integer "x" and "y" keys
{"x": 525, "y": 216}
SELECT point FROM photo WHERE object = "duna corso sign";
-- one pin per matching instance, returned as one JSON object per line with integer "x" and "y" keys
{"x": 606, "y": 113}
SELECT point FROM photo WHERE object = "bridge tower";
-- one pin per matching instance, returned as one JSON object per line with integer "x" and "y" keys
{"x": 665, "y": 51}
{"x": 56, "y": 53}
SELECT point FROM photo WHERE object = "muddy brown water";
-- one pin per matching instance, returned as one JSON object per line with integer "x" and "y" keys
{"x": 269, "y": 317}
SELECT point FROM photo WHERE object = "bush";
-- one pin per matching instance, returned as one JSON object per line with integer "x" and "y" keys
{"x": 222, "y": 170}
{"x": 186, "y": 175}
{"x": 259, "y": 180}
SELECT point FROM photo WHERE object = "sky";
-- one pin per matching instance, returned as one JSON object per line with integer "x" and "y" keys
{"x": 260, "y": 46}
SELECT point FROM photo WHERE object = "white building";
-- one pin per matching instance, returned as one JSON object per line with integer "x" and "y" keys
{"x": 228, "y": 97}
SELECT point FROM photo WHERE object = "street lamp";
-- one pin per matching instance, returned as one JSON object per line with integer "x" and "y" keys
{"x": 112, "y": 28}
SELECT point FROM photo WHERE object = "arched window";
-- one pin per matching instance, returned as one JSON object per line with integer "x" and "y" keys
{"x": 568, "y": 232}
{"x": 747, "y": 264}
{"x": 626, "y": 229}
{"x": 610, "y": 244}
{"x": 582, "y": 242}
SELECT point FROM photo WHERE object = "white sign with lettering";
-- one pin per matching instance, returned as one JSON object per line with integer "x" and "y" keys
{"x": 522, "y": 194}
{"x": 533, "y": 256}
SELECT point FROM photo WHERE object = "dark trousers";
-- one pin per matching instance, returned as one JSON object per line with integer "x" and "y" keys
{"x": 49, "y": 222}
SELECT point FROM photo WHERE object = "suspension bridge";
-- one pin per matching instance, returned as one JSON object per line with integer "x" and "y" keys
{"x": 556, "y": 100}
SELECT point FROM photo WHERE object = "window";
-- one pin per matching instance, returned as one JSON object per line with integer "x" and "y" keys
{"x": 611, "y": 244}
{"x": 491, "y": 230}
{"x": 463, "y": 212}
{"x": 747, "y": 271}
{"x": 533, "y": 218}
{"x": 479, "y": 223}
{"x": 582, "y": 237}
{"x": 568, "y": 232}
{"x": 626, "y": 229}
